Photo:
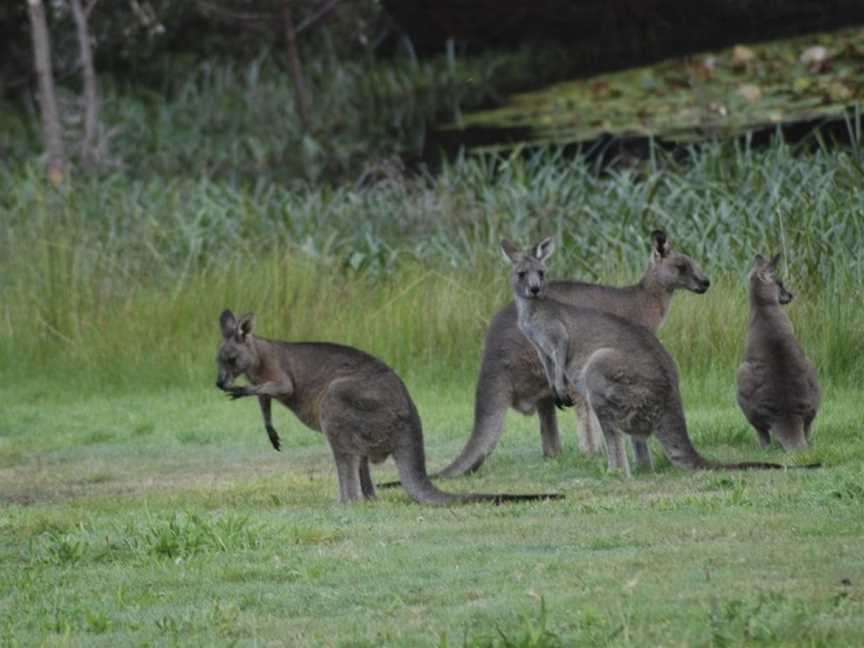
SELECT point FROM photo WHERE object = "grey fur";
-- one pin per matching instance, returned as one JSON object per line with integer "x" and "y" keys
{"x": 511, "y": 374}
{"x": 358, "y": 402}
{"x": 620, "y": 368}
{"x": 778, "y": 389}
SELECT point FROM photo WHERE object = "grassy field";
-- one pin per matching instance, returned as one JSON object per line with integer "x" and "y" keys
{"x": 162, "y": 517}
{"x": 140, "y": 507}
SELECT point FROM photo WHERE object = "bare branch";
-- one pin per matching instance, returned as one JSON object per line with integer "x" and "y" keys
{"x": 51, "y": 131}
{"x": 89, "y": 151}
{"x": 227, "y": 14}
{"x": 301, "y": 97}
{"x": 89, "y": 8}
{"x": 327, "y": 7}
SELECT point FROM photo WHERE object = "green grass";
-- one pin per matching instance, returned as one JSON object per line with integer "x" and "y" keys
{"x": 118, "y": 281}
{"x": 141, "y": 507}
{"x": 163, "y": 517}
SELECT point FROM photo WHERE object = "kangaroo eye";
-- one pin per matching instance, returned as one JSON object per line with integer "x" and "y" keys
{"x": 521, "y": 275}
{"x": 682, "y": 269}
{"x": 540, "y": 273}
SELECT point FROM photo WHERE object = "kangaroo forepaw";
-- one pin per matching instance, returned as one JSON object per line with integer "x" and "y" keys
{"x": 236, "y": 392}
{"x": 274, "y": 437}
{"x": 562, "y": 403}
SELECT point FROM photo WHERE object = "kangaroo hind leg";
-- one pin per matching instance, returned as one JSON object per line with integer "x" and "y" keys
{"x": 549, "y": 436}
{"x": 367, "y": 486}
{"x": 616, "y": 452}
{"x": 589, "y": 428}
{"x": 642, "y": 454}
{"x": 348, "y": 472}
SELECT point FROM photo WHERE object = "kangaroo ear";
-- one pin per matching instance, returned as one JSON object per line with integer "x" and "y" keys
{"x": 227, "y": 323}
{"x": 763, "y": 268}
{"x": 246, "y": 325}
{"x": 544, "y": 249}
{"x": 772, "y": 264}
{"x": 511, "y": 252}
{"x": 660, "y": 247}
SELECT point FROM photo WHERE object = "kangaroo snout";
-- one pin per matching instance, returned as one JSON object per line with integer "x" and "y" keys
{"x": 704, "y": 285}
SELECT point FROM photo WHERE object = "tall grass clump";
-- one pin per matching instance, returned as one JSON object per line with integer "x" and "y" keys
{"x": 120, "y": 280}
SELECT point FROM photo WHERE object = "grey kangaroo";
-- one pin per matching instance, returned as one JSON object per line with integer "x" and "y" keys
{"x": 621, "y": 369}
{"x": 357, "y": 401}
{"x": 511, "y": 374}
{"x": 778, "y": 390}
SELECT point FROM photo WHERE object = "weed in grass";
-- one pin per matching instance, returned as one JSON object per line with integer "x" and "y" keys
{"x": 100, "y": 436}
{"x": 187, "y": 535}
{"x": 61, "y": 548}
{"x": 846, "y": 489}
{"x": 532, "y": 632}
{"x": 145, "y": 428}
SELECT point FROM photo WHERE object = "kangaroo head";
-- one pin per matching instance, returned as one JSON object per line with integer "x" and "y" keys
{"x": 765, "y": 286}
{"x": 237, "y": 352}
{"x": 674, "y": 270}
{"x": 528, "y": 278}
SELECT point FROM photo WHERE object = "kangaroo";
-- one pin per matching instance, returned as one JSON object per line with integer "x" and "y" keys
{"x": 621, "y": 369}
{"x": 778, "y": 390}
{"x": 511, "y": 374}
{"x": 358, "y": 402}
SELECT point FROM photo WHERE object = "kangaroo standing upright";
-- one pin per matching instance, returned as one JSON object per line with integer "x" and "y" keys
{"x": 620, "y": 368}
{"x": 357, "y": 401}
{"x": 511, "y": 374}
{"x": 778, "y": 390}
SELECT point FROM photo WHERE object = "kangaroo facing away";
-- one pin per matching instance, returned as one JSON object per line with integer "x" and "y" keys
{"x": 358, "y": 402}
{"x": 778, "y": 390}
{"x": 511, "y": 374}
{"x": 620, "y": 368}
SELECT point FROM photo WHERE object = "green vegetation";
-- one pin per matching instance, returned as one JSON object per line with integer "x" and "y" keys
{"x": 713, "y": 94}
{"x": 236, "y": 123}
{"x": 116, "y": 273}
{"x": 139, "y": 506}
{"x": 163, "y": 517}
{"x": 142, "y": 507}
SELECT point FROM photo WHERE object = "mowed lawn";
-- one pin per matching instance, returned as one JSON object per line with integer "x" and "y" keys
{"x": 165, "y": 518}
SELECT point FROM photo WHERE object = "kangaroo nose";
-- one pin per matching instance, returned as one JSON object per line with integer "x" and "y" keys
{"x": 706, "y": 282}
{"x": 535, "y": 290}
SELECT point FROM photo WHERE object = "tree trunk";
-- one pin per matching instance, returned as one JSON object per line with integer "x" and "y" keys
{"x": 90, "y": 153}
{"x": 301, "y": 97}
{"x": 47, "y": 100}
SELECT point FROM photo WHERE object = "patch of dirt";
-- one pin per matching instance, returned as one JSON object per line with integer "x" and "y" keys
{"x": 43, "y": 483}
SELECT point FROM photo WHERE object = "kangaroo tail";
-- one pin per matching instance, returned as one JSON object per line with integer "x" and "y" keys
{"x": 790, "y": 433}
{"x": 391, "y": 484}
{"x": 672, "y": 434}
{"x": 501, "y": 498}
{"x": 673, "y": 437}
{"x": 490, "y": 408}
{"x": 759, "y": 465}
{"x": 411, "y": 463}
